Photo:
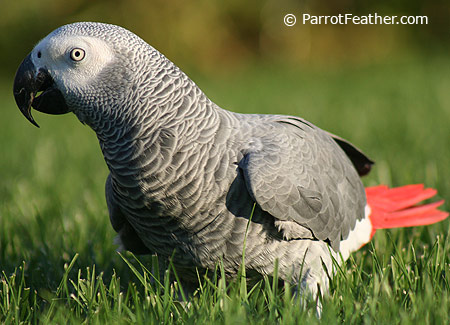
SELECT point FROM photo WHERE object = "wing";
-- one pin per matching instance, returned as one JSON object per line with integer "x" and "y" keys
{"x": 299, "y": 174}
{"x": 361, "y": 162}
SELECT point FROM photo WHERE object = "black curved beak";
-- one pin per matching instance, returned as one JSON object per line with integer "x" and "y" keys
{"x": 28, "y": 83}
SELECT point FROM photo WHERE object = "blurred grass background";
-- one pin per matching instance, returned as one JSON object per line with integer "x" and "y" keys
{"x": 216, "y": 36}
{"x": 386, "y": 88}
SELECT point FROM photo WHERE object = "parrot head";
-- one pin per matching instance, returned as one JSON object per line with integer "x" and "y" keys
{"x": 82, "y": 68}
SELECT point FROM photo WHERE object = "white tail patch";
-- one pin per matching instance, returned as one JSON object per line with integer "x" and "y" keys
{"x": 358, "y": 237}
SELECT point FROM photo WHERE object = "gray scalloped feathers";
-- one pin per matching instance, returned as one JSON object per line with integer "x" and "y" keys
{"x": 191, "y": 180}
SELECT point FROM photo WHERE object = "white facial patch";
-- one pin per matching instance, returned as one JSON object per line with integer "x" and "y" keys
{"x": 54, "y": 54}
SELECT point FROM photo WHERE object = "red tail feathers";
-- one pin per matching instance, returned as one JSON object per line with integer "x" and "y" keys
{"x": 396, "y": 207}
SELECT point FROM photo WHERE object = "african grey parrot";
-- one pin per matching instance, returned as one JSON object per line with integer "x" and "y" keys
{"x": 191, "y": 180}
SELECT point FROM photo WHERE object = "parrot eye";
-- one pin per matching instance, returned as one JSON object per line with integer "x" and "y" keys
{"x": 77, "y": 54}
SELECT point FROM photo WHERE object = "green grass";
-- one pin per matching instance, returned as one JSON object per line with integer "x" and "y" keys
{"x": 58, "y": 262}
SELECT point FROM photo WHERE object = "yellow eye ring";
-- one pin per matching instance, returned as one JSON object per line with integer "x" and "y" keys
{"x": 77, "y": 54}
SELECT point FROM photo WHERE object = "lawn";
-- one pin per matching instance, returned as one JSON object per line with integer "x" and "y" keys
{"x": 58, "y": 262}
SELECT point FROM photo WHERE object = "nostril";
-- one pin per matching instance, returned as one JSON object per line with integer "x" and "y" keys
{"x": 39, "y": 54}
